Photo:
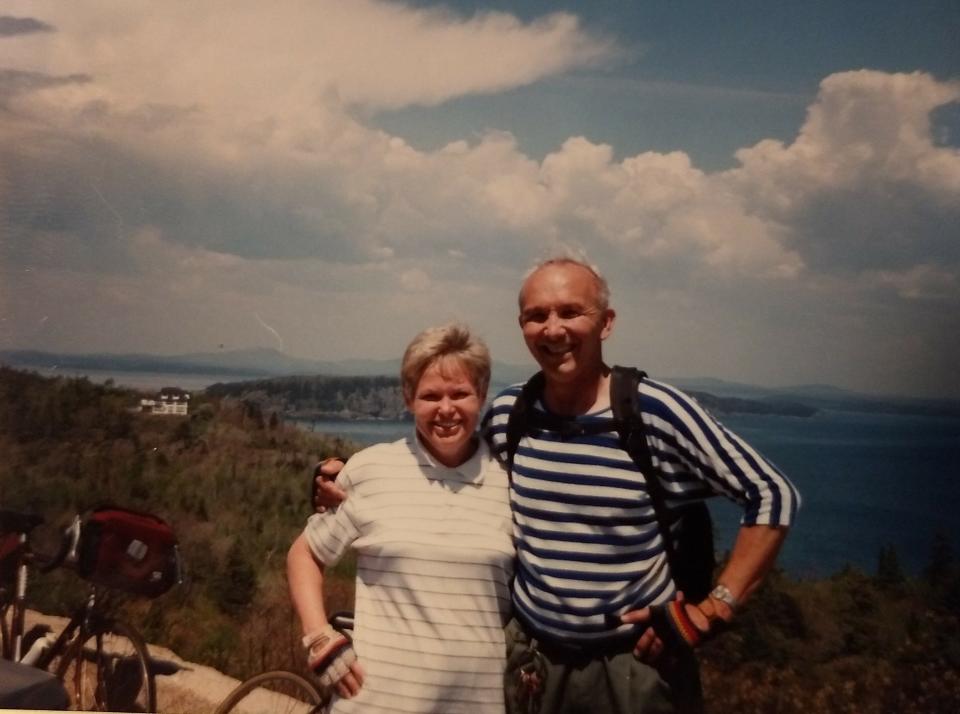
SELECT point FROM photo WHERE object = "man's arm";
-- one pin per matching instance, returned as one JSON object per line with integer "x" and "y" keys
{"x": 754, "y": 553}
{"x": 726, "y": 463}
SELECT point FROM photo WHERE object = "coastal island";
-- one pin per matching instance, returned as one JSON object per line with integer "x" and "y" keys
{"x": 329, "y": 397}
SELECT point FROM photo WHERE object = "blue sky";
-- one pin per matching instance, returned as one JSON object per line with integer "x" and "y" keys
{"x": 772, "y": 188}
{"x": 703, "y": 77}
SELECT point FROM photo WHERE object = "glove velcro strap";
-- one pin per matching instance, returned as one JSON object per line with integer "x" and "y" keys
{"x": 671, "y": 623}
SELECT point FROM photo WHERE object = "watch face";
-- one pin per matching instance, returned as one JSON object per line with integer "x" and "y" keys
{"x": 723, "y": 594}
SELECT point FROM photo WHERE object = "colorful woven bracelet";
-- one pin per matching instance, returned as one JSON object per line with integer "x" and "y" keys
{"x": 672, "y": 625}
{"x": 684, "y": 625}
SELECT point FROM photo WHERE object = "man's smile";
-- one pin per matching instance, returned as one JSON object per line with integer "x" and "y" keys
{"x": 556, "y": 349}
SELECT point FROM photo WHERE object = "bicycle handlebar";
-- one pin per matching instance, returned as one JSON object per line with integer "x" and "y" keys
{"x": 17, "y": 522}
{"x": 24, "y": 524}
{"x": 342, "y": 621}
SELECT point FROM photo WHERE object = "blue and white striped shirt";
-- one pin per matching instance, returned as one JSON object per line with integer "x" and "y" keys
{"x": 588, "y": 545}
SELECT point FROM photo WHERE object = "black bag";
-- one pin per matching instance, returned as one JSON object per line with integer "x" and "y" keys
{"x": 9, "y": 547}
{"x": 687, "y": 529}
{"x": 129, "y": 551}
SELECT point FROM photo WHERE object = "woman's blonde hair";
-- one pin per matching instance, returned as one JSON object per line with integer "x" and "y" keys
{"x": 441, "y": 345}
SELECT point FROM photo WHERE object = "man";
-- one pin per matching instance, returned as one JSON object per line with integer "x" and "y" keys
{"x": 600, "y": 624}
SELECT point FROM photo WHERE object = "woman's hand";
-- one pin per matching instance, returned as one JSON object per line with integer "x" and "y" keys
{"x": 352, "y": 681}
{"x": 331, "y": 657}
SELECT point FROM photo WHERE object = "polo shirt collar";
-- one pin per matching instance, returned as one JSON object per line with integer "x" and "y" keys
{"x": 470, "y": 471}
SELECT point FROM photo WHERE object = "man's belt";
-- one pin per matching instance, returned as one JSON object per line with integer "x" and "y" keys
{"x": 574, "y": 652}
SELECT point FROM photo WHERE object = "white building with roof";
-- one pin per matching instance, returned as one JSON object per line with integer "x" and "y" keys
{"x": 170, "y": 400}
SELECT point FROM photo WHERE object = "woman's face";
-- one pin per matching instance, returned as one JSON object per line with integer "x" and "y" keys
{"x": 445, "y": 408}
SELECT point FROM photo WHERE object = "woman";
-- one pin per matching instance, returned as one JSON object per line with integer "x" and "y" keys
{"x": 429, "y": 518}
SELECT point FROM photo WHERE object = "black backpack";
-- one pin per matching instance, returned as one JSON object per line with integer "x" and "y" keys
{"x": 690, "y": 553}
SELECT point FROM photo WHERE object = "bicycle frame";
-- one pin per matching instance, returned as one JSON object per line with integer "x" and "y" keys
{"x": 76, "y": 629}
{"x": 82, "y": 622}
{"x": 14, "y": 637}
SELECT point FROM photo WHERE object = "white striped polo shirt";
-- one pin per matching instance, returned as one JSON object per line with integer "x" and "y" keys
{"x": 434, "y": 562}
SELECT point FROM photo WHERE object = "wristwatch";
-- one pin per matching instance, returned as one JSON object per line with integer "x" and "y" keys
{"x": 722, "y": 593}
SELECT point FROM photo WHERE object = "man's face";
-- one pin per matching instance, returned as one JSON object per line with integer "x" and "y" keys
{"x": 562, "y": 323}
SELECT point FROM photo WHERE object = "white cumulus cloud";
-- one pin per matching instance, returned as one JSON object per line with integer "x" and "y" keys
{"x": 864, "y": 186}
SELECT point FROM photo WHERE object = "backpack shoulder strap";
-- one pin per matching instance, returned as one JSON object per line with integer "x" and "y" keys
{"x": 624, "y": 398}
{"x": 624, "y": 383}
{"x": 519, "y": 419}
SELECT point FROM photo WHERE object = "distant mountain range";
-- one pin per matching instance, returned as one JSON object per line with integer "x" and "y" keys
{"x": 821, "y": 396}
{"x": 261, "y": 362}
{"x": 236, "y": 365}
{"x": 253, "y": 362}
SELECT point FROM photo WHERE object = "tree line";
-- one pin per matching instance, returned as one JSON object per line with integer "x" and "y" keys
{"x": 321, "y": 396}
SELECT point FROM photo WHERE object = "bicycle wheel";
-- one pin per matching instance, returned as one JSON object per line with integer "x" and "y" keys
{"x": 109, "y": 671}
{"x": 277, "y": 692}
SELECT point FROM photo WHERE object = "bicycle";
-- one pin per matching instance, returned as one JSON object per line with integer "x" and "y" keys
{"x": 280, "y": 690}
{"x": 103, "y": 661}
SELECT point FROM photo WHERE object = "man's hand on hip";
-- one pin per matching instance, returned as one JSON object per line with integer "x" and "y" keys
{"x": 671, "y": 624}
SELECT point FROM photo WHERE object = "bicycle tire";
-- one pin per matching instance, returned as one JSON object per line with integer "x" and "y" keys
{"x": 109, "y": 670}
{"x": 275, "y": 692}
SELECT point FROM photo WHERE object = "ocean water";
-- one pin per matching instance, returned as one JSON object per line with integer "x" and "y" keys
{"x": 866, "y": 480}
{"x": 145, "y": 381}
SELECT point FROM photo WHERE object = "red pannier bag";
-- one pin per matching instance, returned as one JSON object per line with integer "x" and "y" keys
{"x": 129, "y": 551}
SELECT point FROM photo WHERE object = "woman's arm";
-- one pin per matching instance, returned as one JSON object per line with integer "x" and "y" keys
{"x": 329, "y": 655}
{"x": 305, "y": 579}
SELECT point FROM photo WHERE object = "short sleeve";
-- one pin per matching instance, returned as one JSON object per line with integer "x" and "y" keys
{"x": 330, "y": 534}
